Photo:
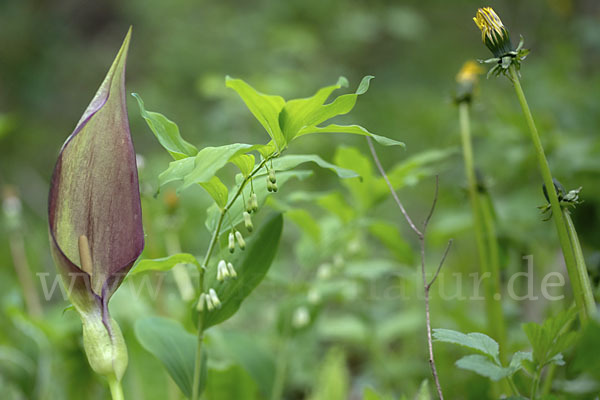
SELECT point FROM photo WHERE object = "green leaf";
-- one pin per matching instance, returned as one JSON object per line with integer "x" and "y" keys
{"x": 333, "y": 381}
{"x": 163, "y": 264}
{"x": 552, "y": 337}
{"x": 298, "y": 113}
{"x": 517, "y": 360}
{"x": 353, "y": 129}
{"x": 306, "y": 222}
{"x": 370, "y": 394}
{"x": 245, "y": 163}
{"x": 389, "y": 235}
{"x": 245, "y": 351}
{"x": 291, "y": 161}
{"x": 423, "y": 393}
{"x": 475, "y": 341}
{"x": 336, "y": 203}
{"x": 230, "y": 382}
{"x": 173, "y": 346}
{"x": 217, "y": 190}
{"x": 167, "y": 133}
{"x": 482, "y": 366}
{"x": 251, "y": 267}
{"x": 235, "y": 214}
{"x": 265, "y": 108}
{"x": 341, "y": 105}
{"x": 176, "y": 171}
{"x": 210, "y": 160}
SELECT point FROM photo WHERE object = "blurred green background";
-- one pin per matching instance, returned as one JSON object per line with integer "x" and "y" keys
{"x": 54, "y": 54}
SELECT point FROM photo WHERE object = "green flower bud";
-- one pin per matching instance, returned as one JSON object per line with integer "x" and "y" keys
{"x": 274, "y": 188}
{"x": 106, "y": 350}
{"x": 254, "y": 201}
{"x": 269, "y": 185}
{"x": 231, "y": 242}
{"x": 248, "y": 222}
{"x": 240, "y": 240}
{"x": 272, "y": 177}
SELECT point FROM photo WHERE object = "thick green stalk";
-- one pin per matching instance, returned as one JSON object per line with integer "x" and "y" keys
{"x": 485, "y": 237}
{"x": 116, "y": 391}
{"x": 202, "y": 270}
{"x": 577, "y": 281}
{"x": 535, "y": 383}
{"x": 586, "y": 286}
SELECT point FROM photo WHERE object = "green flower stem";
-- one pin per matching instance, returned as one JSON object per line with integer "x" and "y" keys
{"x": 116, "y": 391}
{"x": 535, "y": 383}
{"x": 280, "y": 369}
{"x": 485, "y": 236}
{"x": 586, "y": 286}
{"x": 202, "y": 270}
{"x": 577, "y": 281}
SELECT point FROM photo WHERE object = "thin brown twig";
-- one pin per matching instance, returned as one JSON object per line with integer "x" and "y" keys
{"x": 421, "y": 236}
{"x": 394, "y": 195}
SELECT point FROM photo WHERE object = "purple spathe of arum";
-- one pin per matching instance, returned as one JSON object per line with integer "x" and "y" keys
{"x": 94, "y": 195}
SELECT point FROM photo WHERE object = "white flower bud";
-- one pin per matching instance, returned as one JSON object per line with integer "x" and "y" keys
{"x": 314, "y": 297}
{"x": 240, "y": 240}
{"x": 201, "y": 301}
{"x": 222, "y": 272}
{"x": 301, "y": 317}
{"x": 324, "y": 271}
{"x": 254, "y": 201}
{"x": 214, "y": 298}
{"x": 231, "y": 242}
{"x": 231, "y": 270}
{"x": 248, "y": 221}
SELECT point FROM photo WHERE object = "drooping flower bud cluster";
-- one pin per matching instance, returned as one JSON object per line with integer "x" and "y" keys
{"x": 210, "y": 300}
{"x": 225, "y": 270}
{"x": 271, "y": 181}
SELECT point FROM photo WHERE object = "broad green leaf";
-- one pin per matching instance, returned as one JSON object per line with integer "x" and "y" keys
{"x": 251, "y": 266}
{"x": 370, "y": 394}
{"x": 167, "y": 132}
{"x": 163, "y": 264}
{"x": 297, "y": 113}
{"x": 370, "y": 189}
{"x": 475, "y": 341}
{"x": 333, "y": 381}
{"x": 336, "y": 204}
{"x": 423, "y": 393}
{"x": 483, "y": 366}
{"x": 411, "y": 170}
{"x": 341, "y": 105}
{"x": 552, "y": 337}
{"x": 176, "y": 171}
{"x": 389, "y": 235}
{"x": 305, "y": 221}
{"x": 230, "y": 382}
{"x": 245, "y": 163}
{"x": 291, "y": 161}
{"x": 173, "y": 346}
{"x": 210, "y": 160}
{"x": 235, "y": 214}
{"x": 265, "y": 108}
{"x": 353, "y": 129}
{"x": 217, "y": 190}
{"x": 517, "y": 359}
{"x": 244, "y": 350}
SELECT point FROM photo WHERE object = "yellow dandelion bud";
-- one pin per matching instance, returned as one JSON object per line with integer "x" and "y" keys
{"x": 467, "y": 81}
{"x": 493, "y": 33}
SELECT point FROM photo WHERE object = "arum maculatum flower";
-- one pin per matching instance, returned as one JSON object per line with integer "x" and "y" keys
{"x": 95, "y": 217}
{"x": 495, "y": 36}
